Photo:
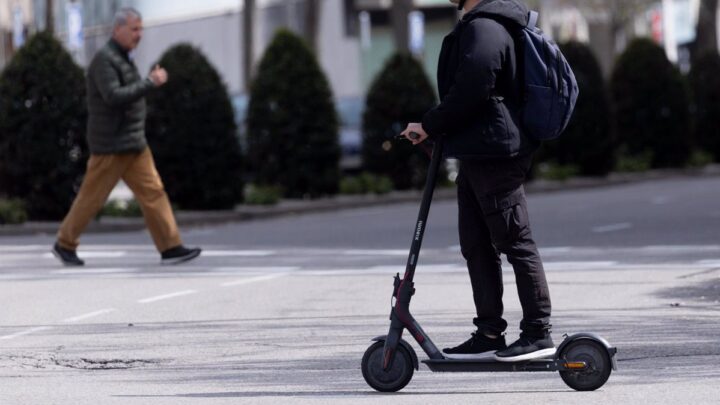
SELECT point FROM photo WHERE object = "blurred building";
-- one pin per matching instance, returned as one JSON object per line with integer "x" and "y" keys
{"x": 354, "y": 36}
{"x": 608, "y": 26}
{"x": 216, "y": 27}
{"x": 16, "y": 17}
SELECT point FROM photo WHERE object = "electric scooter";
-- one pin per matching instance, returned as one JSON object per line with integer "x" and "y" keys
{"x": 584, "y": 360}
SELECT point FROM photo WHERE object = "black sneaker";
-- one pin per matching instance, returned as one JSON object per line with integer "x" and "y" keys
{"x": 527, "y": 348}
{"x": 179, "y": 254}
{"x": 478, "y": 346}
{"x": 66, "y": 256}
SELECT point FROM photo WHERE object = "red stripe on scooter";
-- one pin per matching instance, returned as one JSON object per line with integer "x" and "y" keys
{"x": 386, "y": 360}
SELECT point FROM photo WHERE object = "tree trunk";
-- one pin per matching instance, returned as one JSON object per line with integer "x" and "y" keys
{"x": 248, "y": 38}
{"x": 312, "y": 21}
{"x": 706, "y": 39}
{"x": 49, "y": 16}
{"x": 399, "y": 18}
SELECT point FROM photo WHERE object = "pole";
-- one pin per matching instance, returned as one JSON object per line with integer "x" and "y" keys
{"x": 248, "y": 40}
{"x": 49, "y": 16}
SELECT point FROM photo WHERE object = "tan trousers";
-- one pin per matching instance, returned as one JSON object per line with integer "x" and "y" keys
{"x": 138, "y": 171}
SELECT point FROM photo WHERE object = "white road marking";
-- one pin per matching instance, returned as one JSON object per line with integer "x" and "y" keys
{"x": 112, "y": 248}
{"x": 18, "y": 276}
{"x": 23, "y": 257}
{"x": 453, "y": 268}
{"x": 93, "y": 255}
{"x": 549, "y": 266}
{"x": 546, "y": 250}
{"x": 555, "y": 250}
{"x": 25, "y": 332}
{"x": 709, "y": 263}
{"x": 375, "y": 252}
{"x": 578, "y": 265}
{"x": 252, "y": 280}
{"x": 612, "y": 227}
{"x": 82, "y": 270}
{"x": 166, "y": 296}
{"x": 238, "y": 253}
{"x": 337, "y": 272}
{"x": 200, "y": 232}
{"x": 429, "y": 268}
{"x": 90, "y": 315}
{"x": 256, "y": 269}
{"x": 24, "y": 248}
{"x": 680, "y": 248}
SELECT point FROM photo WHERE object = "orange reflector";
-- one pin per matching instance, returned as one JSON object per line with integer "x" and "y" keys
{"x": 574, "y": 365}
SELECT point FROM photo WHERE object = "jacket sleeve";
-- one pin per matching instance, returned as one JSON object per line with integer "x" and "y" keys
{"x": 481, "y": 50}
{"x": 112, "y": 91}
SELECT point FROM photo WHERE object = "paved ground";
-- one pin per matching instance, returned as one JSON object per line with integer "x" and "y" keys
{"x": 282, "y": 310}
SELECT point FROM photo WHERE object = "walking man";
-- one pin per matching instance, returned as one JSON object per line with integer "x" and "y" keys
{"x": 480, "y": 87}
{"x": 118, "y": 148}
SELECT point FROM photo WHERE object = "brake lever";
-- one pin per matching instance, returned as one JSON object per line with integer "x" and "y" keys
{"x": 414, "y": 136}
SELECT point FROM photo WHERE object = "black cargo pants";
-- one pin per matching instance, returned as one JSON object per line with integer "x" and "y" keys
{"x": 493, "y": 219}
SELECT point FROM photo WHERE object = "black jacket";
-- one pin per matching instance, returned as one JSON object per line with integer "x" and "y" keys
{"x": 479, "y": 83}
{"x": 116, "y": 103}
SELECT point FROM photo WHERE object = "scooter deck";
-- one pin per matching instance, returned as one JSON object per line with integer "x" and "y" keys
{"x": 490, "y": 365}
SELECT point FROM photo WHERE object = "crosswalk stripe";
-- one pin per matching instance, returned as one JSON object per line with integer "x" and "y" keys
{"x": 375, "y": 252}
{"x": 252, "y": 280}
{"x": 612, "y": 227}
{"x": 94, "y": 255}
{"x": 89, "y": 315}
{"x": 254, "y": 269}
{"x": 98, "y": 270}
{"x": 26, "y": 332}
{"x": 166, "y": 296}
{"x": 237, "y": 253}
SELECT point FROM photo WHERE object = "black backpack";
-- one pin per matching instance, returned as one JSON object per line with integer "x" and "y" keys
{"x": 551, "y": 90}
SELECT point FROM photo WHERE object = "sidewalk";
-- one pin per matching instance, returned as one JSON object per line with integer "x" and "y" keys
{"x": 293, "y": 207}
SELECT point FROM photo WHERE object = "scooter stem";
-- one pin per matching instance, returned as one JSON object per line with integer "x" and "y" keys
{"x": 400, "y": 317}
{"x": 421, "y": 223}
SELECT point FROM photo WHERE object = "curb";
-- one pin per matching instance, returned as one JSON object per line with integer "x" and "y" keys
{"x": 242, "y": 213}
{"x": 297, "y": 207}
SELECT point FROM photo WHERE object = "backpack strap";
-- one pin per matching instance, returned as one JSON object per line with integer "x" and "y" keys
{"x": 533, "y": 20}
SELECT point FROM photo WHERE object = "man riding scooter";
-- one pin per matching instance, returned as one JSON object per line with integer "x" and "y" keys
{"x": 481, "y": 92}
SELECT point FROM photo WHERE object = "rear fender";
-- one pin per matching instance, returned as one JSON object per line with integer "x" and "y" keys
{"x": 611, "y": 351}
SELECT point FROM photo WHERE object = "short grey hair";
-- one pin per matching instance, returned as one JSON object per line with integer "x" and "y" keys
{"x": 124, "y": 14}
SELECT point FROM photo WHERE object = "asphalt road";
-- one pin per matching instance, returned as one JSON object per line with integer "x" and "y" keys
{"x": 282, "y": 309}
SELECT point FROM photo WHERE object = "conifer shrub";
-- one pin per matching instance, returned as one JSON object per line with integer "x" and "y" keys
{"x": 705, "y": 86}
{"x": 587, "y": 144}
{"x": 651, "y": 101}
{"x": 192, "y": 132}
{"x": 400, "y": 94}
{"x": 292, "y": 123}
{"x": 43, "y": 116}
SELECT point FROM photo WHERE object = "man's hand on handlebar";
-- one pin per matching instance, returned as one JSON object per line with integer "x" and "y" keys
{"x": 415, "y": 133}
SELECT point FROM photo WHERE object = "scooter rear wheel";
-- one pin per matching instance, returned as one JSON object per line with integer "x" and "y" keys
{"x": 596, "y": 356}
{"x": 393, "y": 380}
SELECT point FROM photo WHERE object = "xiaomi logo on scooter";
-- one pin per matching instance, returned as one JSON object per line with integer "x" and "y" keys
{"x": 418, "y": 231}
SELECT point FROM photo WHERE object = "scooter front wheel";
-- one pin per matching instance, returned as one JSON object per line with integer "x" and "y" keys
{"x": 392, "y": 380}
{"x": 596, "y": 358}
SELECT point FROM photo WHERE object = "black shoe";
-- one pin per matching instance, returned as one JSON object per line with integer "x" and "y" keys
{"x": 179, "y": 254}
{"x": 527, "y": 348}
{"x": 478, "y": 346}
{"x": 66, "y": 256}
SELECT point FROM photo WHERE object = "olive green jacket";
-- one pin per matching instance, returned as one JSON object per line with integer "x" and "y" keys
{"x": 116, "y": 103}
